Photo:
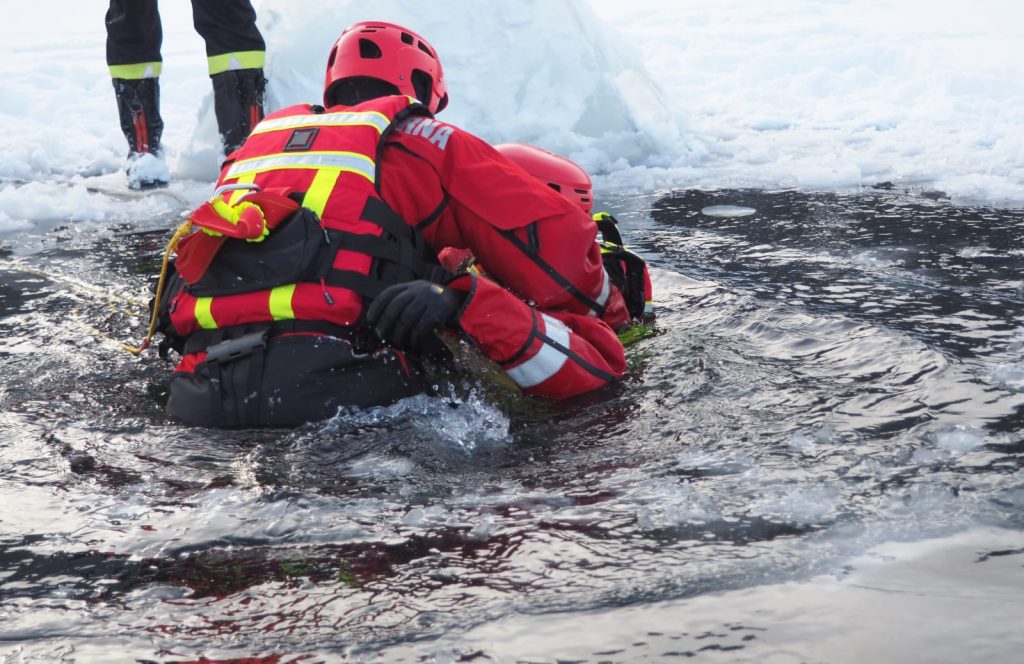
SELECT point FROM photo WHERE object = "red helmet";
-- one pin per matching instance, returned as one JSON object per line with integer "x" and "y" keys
{"x": 559, "y": 173}
{"x": 389, "y": 53}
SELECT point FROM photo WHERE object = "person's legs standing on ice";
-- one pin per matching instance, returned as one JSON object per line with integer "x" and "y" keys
{"x": 235, "y": 53}
{"x": 134, "y": 36}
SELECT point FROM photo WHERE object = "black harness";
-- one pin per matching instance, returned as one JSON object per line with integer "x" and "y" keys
{"x": 625, "y": 269}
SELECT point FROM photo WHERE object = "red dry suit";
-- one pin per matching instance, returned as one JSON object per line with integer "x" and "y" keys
{"x": 546, "y": 317}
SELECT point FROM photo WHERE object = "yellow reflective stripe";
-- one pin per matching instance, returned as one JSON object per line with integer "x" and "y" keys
{"x": 219, "y": 64}
{"x": 136, "y": 71}
{"x": 203, "y": 314}
{"x": 360, "y": 119}
{"x": 226, "y": 211}
{"x": 238, "y": 193}
{"x": 350, "y": 162}
{"x": 320, "y": 190}
{"x": 281, "y": 302}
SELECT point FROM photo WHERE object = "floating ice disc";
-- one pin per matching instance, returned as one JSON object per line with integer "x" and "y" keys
{"x": 728, "y": 211}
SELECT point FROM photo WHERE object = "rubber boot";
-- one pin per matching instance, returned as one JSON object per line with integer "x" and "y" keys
{"x": 238, "y": 100}
{"x": 138, "y": 106}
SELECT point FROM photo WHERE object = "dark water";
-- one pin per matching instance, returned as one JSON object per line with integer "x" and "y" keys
{"x": 833, "y": 373}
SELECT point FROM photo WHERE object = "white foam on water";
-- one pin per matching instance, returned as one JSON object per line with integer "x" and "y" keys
{"x": 463, "y": 423}
{"x": 871, "y": 259}
{"x": 977, "y": 252}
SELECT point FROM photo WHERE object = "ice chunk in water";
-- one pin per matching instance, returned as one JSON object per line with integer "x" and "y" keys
{"x": 1009, "y": 375}
{"x": 728, "y": 211}
{"x": 960, "y": 438}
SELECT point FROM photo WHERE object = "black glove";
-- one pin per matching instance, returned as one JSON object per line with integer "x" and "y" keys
{"x": 406, "y": 315}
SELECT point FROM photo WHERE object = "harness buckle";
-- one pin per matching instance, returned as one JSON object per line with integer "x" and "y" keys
{"x": 236, "y": 349}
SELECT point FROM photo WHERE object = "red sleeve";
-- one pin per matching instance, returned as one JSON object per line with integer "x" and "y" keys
{"x": 545, "y": 315}
{"x": 466, "y": 195}
{"x": 549, "y": 354}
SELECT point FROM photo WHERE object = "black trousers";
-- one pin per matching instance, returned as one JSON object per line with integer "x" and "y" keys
{"x": 134, "y": 33}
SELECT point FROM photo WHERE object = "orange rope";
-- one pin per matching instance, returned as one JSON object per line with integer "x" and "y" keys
{"x": 182, "y": 231}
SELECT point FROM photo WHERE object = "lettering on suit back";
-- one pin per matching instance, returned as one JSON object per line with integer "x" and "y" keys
{"x": 435, "y": 132}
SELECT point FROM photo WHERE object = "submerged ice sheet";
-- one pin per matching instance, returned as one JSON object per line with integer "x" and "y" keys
{"x": 897, "y": 602}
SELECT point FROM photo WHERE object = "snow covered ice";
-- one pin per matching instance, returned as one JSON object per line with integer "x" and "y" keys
{"x": 647, "y": 95}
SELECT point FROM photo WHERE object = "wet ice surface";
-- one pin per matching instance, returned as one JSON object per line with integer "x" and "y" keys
{"x": 836, "y": 382}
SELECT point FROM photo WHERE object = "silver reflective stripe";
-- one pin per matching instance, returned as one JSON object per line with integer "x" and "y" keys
{"x": 371, "y": 119}
{"x": 606, "y": 291}
{"x": 548, "y": 361}
{"x": 346, "y": 161}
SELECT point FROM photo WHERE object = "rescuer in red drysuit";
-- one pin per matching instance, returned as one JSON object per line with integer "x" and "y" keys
{"x": 628, "y": 271}
{"x": 330, "y": 304}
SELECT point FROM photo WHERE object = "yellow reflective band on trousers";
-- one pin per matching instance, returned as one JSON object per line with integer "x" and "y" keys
{"x": 218, "y": 64}
{"x": 203, "y": 314}
{"x": 136, "y": 71}
{"x": 281, "y": 302}
{"x": 350, "y": 162}
{"x": 356, "y": 119}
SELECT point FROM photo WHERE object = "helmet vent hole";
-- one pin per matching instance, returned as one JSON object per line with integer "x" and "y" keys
{"x": 555, "y": 187}
{"x": 407, "y": 38}
{"x": 368, "y": 50}
{"x": 422, "y": 83}
{"x": 423, "y": 47}
{"x": 581, "y": 191}
{"x": 334, "y": 54}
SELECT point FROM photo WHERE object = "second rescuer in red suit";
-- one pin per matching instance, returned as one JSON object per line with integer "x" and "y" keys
{"x": 538, "y": 247}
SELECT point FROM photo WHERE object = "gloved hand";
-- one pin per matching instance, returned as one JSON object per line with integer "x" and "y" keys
{"x": 406, "y": 315}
